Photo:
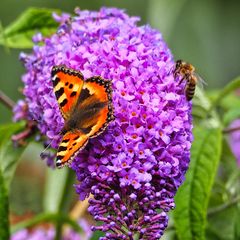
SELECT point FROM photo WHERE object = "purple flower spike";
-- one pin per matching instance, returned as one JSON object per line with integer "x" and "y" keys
{"x": 135, "y": 167}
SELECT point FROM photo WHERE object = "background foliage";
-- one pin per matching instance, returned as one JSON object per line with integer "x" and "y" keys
{"x": 205, "y": 33}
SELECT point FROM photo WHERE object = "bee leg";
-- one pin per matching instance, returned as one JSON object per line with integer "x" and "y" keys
{"x": 183, "y": 78}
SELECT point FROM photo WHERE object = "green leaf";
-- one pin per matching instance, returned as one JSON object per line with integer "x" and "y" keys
{"x": 9, "y": 154}
{"x": 63, "y": 202}
{"x": 237, "y": 223}
{"x": 193, "y": 197}
{"x": 201, "y": 103}
{"x": 201, "y": 110}
{"x": 4, "y": 208}
{"x": 229, "y": 116}
{"x": 228, "y": 226}
{"x": 224, "y": 198}
{"x": 19, "y": 33}
{"x": 54, "y": 189}
{"x": 212, "y": 234}
{"x": 229, "y": 88}
{"x": 229, "y": 172}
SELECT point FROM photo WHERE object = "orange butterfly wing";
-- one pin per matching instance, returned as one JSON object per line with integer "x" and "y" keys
{"x": 67, "y": 85}
{"x": 72, "y": 142}
{"x": 86, "y": 107}
{"x": 99, "y": 99}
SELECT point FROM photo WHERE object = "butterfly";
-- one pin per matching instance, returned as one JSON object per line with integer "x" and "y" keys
{"x": 86, "y": 107}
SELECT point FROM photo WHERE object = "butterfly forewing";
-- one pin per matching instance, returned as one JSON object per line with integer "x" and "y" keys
{"x": 67, "y": 85}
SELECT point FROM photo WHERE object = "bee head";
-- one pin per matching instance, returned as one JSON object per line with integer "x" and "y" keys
{"x": 178, "y": 63}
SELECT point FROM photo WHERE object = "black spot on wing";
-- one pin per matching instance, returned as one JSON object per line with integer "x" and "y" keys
{"x": 59, "y": 157}
{"x": 62, "y": 148}
{"x": 97, "y": 105}
{"x": 65, "y": 140}
{"x": 86, "y": 130}
{"x": 59, "y": 93}
{"x": 58, "y": 164}
{"x": 63, "y": 103}
{"x": 71, "y": 86}
{"x": 73, "y": 94}
{"x": 76, "y": 138}
{"x": 53, "y": 72}
{"x": 55, "y": 81}
{"x": 84, "y": 95}
{"x": 88, "y": 112}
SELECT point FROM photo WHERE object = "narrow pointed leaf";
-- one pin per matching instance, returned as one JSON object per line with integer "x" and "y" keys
{"x": 54, "y": 189}
{"x": 192, "y": 198}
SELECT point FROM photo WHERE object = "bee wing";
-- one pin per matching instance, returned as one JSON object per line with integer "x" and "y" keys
{"x": 201, "y": 81}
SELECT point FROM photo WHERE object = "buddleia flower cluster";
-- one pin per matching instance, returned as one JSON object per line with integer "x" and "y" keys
{"x": 135, "y": 167}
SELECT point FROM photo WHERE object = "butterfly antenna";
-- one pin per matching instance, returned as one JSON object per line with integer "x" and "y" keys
{"x": 44, "y": 150}
{"x": 42, "y": 153}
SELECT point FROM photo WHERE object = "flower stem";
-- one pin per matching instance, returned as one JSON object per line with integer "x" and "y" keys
{"x": 45, "y": 217}
{"x": 224, "y": 206}
{"x": 64, "y": 204}
{"x": 230, "y": 130}
{"x": 6, "y": 100}
{"x": 4, "y": 208}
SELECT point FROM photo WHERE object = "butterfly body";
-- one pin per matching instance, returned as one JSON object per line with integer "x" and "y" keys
{"x": 86, "y": 106}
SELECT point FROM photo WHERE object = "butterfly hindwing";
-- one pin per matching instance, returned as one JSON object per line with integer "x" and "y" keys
{"x": 72, "y": 142}
{"x": 67, "y": 85}
{"x": 96, "y": 106}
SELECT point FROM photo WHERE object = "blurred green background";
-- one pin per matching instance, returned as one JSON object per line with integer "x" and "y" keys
{"x": 205, "y": 33}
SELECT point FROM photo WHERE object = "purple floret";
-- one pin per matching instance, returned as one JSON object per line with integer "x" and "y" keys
{"x": 135, "y": 167}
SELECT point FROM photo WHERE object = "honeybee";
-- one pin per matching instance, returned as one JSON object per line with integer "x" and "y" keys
{"x": 187, "y": 72}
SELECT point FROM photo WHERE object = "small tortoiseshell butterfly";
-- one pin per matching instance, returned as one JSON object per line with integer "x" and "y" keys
{"x": 86, "y": 106}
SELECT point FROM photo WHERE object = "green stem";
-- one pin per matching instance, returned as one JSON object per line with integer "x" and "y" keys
{"x": 4, "y": 209}
{"x": 46, "y": 217}
{"x": 7, "y": 101}
{"x": 222, "y": 207}
{"x": 136, "y": 236}
{"x": 232, "y": 86}
{"x": 64, "y": 204}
